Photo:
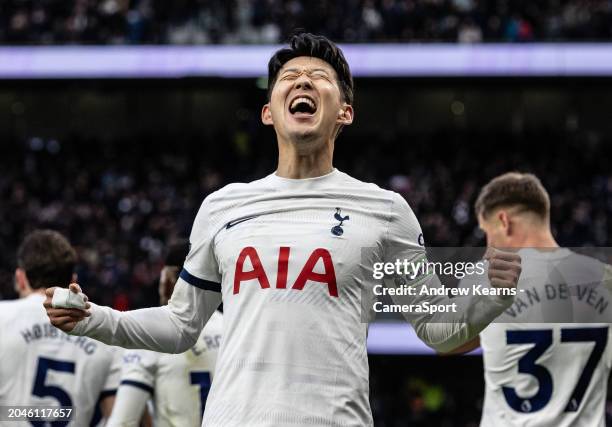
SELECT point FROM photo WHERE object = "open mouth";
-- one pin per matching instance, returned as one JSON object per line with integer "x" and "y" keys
{"x": 302, "y": 105}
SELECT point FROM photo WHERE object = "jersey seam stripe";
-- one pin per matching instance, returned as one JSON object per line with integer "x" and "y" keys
{"x": 138, "y": 384}
{"x": 203, "y": 284}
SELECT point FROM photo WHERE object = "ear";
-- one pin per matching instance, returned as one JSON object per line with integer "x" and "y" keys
{"x": 21, "y": 281}
{"x": 505, "y": 222}
{"x": 345, "y": 115}
{"x": 266, "y": 115}
{"x": 74, "y": 278}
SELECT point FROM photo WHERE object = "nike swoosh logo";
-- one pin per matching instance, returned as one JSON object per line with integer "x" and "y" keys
{"x": 238, "y": 221}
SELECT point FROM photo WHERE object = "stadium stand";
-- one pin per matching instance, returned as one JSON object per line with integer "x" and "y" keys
{"x": 270, "y": 21}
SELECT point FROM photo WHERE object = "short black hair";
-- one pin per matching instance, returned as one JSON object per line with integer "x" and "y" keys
{"x": 177, "y": 252}
{"x": 47, "y": 258}
{"x": 306, "y": 44}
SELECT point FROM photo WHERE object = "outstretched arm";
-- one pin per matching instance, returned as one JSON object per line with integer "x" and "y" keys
{"x": 170, "y": 329}
{"x": 446, "y": 332}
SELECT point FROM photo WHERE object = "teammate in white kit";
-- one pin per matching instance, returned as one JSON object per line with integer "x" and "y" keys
{"x": 39, "y": 364}
{"x": 178, "y": 383}
{"x": 539, "y": 372}
{"x": 284, "y": 253}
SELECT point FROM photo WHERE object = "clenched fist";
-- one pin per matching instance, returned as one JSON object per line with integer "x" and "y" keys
{"x": 66, "y": 318}
{"x": 504, "y": 268}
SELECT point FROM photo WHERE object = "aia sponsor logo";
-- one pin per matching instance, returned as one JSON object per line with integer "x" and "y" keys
{"x": 307, "y": 273}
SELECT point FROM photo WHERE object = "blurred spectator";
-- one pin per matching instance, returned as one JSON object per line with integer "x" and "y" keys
{"x": 271, "y": 21}
{"x": 469, "y": 32}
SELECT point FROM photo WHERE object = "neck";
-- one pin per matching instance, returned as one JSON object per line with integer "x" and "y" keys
{"x": 308, "y": 161}
{"x": 536, "y": 238}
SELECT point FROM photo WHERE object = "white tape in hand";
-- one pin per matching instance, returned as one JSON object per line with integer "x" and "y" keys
{"x": 65, "y": 298}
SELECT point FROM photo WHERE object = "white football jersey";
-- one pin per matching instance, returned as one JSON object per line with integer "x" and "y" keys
{"x": 41, "y": 365}
{"x": 293, "y": 261}
{"x": 539, "y": 373}
{"x": 179, "y": 383}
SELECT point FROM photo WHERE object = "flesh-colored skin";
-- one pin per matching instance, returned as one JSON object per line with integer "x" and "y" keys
{"x": 306, "y": 141}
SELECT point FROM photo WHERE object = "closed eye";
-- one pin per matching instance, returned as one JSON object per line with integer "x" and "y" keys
{"x": 313, "y": 74}
{"x": 319, "y": 74}
{"x": 289, "y": 76}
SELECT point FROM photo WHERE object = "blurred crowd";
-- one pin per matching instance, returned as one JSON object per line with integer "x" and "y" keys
{"x": 121, "y": 202}
{"x": 119, "y": 210}
{"x": 271, "y": 21}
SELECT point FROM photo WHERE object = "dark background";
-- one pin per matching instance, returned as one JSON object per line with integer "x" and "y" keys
{"x": 270, "y": 21}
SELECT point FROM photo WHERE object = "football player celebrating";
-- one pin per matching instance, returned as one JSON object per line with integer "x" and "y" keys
{"x": 539, "y": 371}
{"x": 178, "y": 383}
{"x": 42, "y": 366}
{"x": 284, "y": 253}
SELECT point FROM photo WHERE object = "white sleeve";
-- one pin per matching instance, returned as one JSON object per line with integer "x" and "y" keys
{"x": 129, "y": 406}
{"x": 443, "y": 332}
{"x": 114, "y": 373}
{"x": 174, "y": 328}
